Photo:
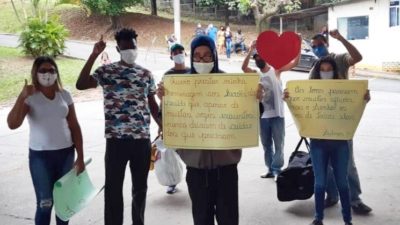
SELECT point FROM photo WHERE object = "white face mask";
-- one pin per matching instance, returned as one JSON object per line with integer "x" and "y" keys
{"x": 179, "y": 59}
{"x": 128, "y": 56}
{"x": 326, "y": 75}
{"x": 47, "y": 79}
{"x": 203, "y": 68}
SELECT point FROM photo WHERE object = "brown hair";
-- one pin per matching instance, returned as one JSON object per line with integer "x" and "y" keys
{"x": 36, "y": 65}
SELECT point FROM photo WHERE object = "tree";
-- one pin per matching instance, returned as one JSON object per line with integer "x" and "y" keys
{"x": 264, "y": 10}
{"x": 153, "y": 4}
{"x": 111, "y": 8}
{"x": 228, "y": 5}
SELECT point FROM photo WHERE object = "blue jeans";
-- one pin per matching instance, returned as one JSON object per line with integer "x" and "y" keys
{"x": 273, "y": 132}
{"x": 46, "y": 168}
{"x": 354, "y": 180}
{"x": 239, "y": 45}
{"x": 228, "y": 45}
{"x": 337, "y": 152}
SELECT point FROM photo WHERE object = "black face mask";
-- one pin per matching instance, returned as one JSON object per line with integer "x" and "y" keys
{"x": 260, "y": 64}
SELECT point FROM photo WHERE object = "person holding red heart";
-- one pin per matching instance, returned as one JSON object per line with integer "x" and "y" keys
{"x": 272, "y": 122}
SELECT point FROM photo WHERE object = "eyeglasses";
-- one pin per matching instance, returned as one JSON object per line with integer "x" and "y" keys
{"x": 206, "y": 58}
{"x": 44, "y": 70}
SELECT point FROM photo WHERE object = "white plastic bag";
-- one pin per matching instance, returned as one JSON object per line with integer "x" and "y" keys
{"x": 168, "y": 166}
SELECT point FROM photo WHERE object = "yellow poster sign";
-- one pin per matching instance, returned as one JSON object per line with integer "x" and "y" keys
{"x": 210, "y": 111}
{"x": 327, "y": 109}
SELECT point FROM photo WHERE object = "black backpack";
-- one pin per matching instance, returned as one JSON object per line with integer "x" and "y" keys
{"x": 296, "y": 182}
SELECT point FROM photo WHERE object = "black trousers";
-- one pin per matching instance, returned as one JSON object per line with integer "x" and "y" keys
{"x": 118, "y": 153}
{"x": 214, "y": 193}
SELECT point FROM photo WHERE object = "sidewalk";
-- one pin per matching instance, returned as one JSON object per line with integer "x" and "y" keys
{"x": 375, "y": 152}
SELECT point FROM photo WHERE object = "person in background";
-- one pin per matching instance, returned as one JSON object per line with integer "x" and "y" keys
{"x": 178, "y": 56}
{"x": 54, "y": 133}
{"x": 228, "y": 42}
{"x": 171, "y": 40}
{"x": 199, "y": 30}
{"x": 212, "y": 32}
{"x": 343, "y": 62}
{"x": 221, "y": 39}
{"x": 105, "y": 60}
{"x": 239, "y": 42}
{"x": 129, "y": 99}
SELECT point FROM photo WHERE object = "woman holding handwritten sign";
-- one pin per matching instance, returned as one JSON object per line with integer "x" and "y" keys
{"x": 212, "y": 175}
{"x": 324, "y": 151}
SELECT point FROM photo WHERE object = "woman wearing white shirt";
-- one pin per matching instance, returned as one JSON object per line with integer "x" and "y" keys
{"x": 54, "y": 133}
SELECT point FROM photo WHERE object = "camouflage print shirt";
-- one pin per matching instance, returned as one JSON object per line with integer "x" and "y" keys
{"x": 126, "y": 108}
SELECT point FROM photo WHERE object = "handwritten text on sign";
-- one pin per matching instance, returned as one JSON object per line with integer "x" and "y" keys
{"x": 217, "y": 111}
{"x": 327, "y": 109}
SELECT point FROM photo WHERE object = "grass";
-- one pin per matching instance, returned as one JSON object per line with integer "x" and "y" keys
{"x": 8, "y": 20}
{"x": 15, "y": 68}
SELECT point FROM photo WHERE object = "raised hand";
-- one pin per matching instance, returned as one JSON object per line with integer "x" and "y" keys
{"x": 335, "y": 34}
{"x": 99, "y": 47}
{"x": 253, "y": 45}
{"x": 27, "y": 90}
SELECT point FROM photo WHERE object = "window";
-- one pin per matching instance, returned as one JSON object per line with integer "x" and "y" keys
{"x": 394, "y": 13}
{"x": 354, "y": 28}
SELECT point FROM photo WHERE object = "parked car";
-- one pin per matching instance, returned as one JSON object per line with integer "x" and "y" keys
{"x": 307, "y": 58}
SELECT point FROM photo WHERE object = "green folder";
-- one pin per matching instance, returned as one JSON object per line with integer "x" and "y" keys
{"x": 72, "y": 193}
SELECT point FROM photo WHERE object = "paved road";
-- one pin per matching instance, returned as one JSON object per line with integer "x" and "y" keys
{"x": 376, "y": 151}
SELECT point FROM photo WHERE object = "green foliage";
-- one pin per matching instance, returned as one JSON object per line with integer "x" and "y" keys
{"x": 72, "y": 2}
{"x": 43, "y": 37}
{"x": 14, "y": 68}
{"x": 318, "y": 2}
{"x": 244, "y": 6}
{"x": 109, "y": 7}
{"x": 232, "y": 4}
{"x": 292, "y": 6}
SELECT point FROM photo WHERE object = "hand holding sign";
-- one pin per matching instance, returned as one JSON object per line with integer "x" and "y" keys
{"x": 276, "y": 50}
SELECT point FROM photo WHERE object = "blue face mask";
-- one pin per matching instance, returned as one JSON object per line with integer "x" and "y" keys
{"x": 320, "y": 51}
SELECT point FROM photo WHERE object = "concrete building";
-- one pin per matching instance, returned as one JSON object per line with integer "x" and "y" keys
{"x": 373, "y": 26}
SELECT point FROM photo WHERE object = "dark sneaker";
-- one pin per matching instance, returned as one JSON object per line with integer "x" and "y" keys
{"x": 268, "y": 175}
{"x": 329, "y": 202}
{"x": 316, "y": 222}
{"x": 361, "y": 208}
{"x": 348, "y": 224}
{"x": 171, "y": 190}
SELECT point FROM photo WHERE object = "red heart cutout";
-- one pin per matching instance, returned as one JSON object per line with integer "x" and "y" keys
{"x": 276, "y": 50}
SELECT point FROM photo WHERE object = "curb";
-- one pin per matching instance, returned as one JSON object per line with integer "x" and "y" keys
{"x": 374, "y": 74}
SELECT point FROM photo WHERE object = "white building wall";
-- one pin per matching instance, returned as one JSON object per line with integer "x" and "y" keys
{"x": 382, "y": 47}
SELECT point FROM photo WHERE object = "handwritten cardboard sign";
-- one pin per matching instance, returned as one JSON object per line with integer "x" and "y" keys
{"x": 210, "y": 111}
{"x": 327, "y": 109}
{"x": 276, "y": 50}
